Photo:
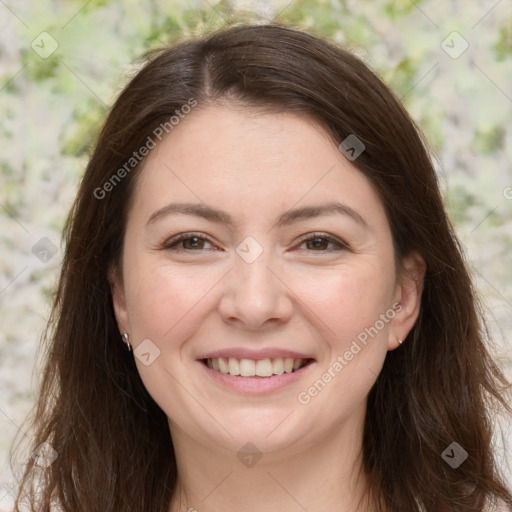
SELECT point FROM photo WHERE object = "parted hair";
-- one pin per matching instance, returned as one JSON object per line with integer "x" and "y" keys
{"x": 115, "y": 452}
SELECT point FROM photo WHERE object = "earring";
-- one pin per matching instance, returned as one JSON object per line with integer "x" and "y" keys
{"x": 399, "y": 341}
{"x": 125, "y": 336}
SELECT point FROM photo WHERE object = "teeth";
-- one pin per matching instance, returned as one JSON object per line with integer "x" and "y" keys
{"x": 288, "y": 365}
{"x": 234, "y": 366}
{"x": 264, "y": 368}
{"x": 223, "y": 365}
{"x": 247, "y": 368}
{"x": 277, "y": 366}
{"x": 251, "y": 368}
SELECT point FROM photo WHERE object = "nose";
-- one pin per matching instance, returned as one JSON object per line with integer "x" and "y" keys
{"x": 255, "y": 295}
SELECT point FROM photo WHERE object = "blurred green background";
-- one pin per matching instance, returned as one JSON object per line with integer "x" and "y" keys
{"x": 62, "y": 63}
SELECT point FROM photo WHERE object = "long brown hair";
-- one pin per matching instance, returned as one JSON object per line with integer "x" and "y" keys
{"x": 113, "y": 443}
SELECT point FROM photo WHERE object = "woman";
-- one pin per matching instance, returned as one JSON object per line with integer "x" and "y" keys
{"x": 263, "y": 305}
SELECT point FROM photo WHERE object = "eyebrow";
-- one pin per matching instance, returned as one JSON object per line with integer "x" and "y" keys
{"x": 285, "y": 219}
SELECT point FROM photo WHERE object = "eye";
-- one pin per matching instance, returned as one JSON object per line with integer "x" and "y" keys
{"x": 188, "y": 241}
{"x": 319, "y": 242}
{"x": 316, "y": 242}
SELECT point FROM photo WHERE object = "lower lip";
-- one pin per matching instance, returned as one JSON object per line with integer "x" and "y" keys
{"x": 256, "y": 385}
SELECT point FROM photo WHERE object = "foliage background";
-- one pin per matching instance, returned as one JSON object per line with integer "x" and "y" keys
{"x": 51, "y": 107}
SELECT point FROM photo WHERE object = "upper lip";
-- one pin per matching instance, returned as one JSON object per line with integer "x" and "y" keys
{"x": 244, "y": 353}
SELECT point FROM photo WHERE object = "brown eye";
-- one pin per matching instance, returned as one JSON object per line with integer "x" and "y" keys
{"x": 320, "y": 242}
{"x": 186, "y": 242}
{"x": 193, "y": 243}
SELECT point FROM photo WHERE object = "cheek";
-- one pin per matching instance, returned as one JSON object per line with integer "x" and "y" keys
{"x": 159, "y": 298}
{"x": 349, "y": 305}
{"x": 347, "y": 300}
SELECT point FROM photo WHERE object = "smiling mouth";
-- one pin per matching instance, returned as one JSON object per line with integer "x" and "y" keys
{"x": 256, "y": 368}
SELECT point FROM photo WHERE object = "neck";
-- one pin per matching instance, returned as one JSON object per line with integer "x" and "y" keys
{"x": 322, "y": 476}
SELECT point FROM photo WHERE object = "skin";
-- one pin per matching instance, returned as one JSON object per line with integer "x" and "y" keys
{"x": 296, "y": 295}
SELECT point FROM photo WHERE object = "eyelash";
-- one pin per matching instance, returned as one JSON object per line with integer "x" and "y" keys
{"x": 173, "y": 242}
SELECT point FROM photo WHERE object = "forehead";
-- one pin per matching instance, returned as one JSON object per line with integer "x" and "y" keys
{"x": 225, "y": 135}
{"x": 241, "y": 159}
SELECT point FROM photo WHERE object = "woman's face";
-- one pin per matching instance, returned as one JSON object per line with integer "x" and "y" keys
{"x": 286, "y": 259}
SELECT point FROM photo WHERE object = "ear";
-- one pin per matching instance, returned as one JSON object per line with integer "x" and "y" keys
{"x": 409, "y": 288}
{"x": 119, "y": 301}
